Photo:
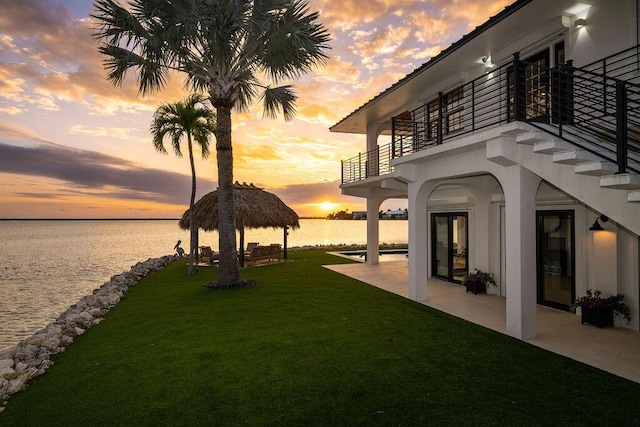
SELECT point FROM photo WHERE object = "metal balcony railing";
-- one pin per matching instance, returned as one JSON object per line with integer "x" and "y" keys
{"x": 372, "y": 163}
{"x": 597, "y": 112}
{"x": 624, "y": 65}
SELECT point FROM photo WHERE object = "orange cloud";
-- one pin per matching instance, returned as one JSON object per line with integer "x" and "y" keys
{"x": 12, "y": 110}
{"x": 337, "y": 70}
{"x": 347, "y": 14}
{"x": 379, "y": 41}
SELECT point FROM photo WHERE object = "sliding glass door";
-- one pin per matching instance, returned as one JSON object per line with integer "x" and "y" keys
{"x": 449, "y": 249}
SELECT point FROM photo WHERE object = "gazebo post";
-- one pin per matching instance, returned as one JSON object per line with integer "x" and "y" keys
{"x": 286, "y": 233}
{"x": 241, "y": 252}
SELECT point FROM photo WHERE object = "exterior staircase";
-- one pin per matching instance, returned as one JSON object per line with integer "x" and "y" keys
{"x": 581, "y": 173}
{"x": 589, "y": 143}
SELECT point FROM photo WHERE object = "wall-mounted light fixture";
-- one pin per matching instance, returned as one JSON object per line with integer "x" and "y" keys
{"x": 596, "y": 225}
{"x": 488, "y": 64}
{"x": 580, "y": 23}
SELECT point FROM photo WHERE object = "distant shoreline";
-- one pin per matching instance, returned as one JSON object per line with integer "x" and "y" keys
{"x": 89, "y": 219}
{"x": 112, "y": 219}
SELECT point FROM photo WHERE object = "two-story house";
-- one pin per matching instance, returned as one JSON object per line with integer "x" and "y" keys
{"x": 518, "y": 149}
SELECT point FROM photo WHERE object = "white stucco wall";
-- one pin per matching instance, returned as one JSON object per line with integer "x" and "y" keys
{"x": 611, "y": 27}
{"x": 628, "y": 247}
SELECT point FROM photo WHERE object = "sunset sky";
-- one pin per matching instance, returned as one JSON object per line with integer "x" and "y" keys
{"x": 74, "y": 146}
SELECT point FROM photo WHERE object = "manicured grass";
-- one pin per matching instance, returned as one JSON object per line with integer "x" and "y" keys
{"x": 306, "y": 346}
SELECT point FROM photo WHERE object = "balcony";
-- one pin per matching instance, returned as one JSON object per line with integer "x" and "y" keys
{"x": 596, "y": 112}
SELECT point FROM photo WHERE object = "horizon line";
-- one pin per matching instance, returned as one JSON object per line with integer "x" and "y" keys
{"x": 117, "y": 219}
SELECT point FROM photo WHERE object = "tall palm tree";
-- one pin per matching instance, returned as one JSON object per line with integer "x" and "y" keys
{"x": 234, "y": 50}
{"x": 193, "y": 119}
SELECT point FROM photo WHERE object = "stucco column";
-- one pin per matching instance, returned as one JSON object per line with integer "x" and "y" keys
{"x": 479, "y": 241}
{"x": 418, "y": 240}
{"x": 520, "y": 188}
{"x": 373, "y": 231}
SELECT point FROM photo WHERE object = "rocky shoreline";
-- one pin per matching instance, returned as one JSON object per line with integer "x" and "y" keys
{"x": 31, "y": 357}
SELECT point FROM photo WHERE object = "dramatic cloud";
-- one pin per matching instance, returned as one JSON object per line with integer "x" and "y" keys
{"x": 56, "y": 59}
{"x": 27, "y": 17}
{"x": 97, "y": 174}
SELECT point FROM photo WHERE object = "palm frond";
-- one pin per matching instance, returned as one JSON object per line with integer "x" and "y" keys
{"x": 150, "y": 38}
{"x": 116, "y": 24}
{"x": 279, "y": 99}
{"x": 176, "y": 137}
{"x": 297, "y": 42}
{"x": 247, "y": 84}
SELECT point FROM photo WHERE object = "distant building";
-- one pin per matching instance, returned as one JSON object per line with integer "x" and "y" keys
{"x": 397, "y": 214}
{"x": 359, "y": 214}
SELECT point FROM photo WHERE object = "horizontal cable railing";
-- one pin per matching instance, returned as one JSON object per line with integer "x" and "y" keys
{"x": 596, "y": 112}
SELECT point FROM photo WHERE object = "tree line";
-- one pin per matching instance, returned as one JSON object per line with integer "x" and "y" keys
{"x": 346, "y": 215}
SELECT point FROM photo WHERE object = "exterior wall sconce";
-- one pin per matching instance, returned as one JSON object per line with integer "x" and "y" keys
{"x": 580, "y": 23}
{"x": 488, "y": 64}
{"x": 596, "y": 225}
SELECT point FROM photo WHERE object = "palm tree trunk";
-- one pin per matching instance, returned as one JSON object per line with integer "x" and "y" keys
{"x": 193, "y": 240}
{"x": 228, "y": 271}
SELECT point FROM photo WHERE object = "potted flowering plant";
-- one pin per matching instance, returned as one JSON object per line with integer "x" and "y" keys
{"x": 599, "y": 311}
{"x": 477, "y": 281}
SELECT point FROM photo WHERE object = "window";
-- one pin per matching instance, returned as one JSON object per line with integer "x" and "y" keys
{"x": 537, "y": 87}
{"x": 433, "y": 113}
{"x": 454, "y": 108}
{"x": 452, "y": 114}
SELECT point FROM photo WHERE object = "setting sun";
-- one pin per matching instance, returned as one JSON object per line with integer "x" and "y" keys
{"x": 328, "y": 206}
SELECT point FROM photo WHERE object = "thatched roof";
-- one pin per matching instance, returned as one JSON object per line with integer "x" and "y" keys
{"x": 255, "y": 208}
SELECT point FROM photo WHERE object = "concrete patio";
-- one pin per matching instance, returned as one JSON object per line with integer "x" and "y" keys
{"x": 615, "y": 350}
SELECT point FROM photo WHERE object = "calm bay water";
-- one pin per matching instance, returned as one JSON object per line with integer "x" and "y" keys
{"x": 46, "y": 266}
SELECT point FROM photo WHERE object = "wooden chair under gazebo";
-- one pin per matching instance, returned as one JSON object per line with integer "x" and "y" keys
{"x": 255, "y": 208}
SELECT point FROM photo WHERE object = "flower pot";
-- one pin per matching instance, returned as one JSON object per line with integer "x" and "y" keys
{"x": 600, "y": 316}
{"x": 476, "y": 287}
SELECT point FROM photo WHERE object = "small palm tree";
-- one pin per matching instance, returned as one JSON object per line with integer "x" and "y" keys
{"x": 195, "y": 120}
{"x": 234, "y": 50}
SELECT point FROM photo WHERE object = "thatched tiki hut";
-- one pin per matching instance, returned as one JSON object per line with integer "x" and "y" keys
{"x": 255, "y": 208}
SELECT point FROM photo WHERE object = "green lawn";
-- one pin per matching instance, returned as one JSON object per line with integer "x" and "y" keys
{"x": 306, "y": 346}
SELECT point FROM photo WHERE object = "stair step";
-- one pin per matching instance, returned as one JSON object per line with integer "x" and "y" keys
{"x": 622, "y": 181}
{"x": 530, "y": 138}
{"x": 634, "y": 196}
{"x": 551, "y": 146}
{"x": 574, "y": 157}
{"x": 597, "y": 168}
